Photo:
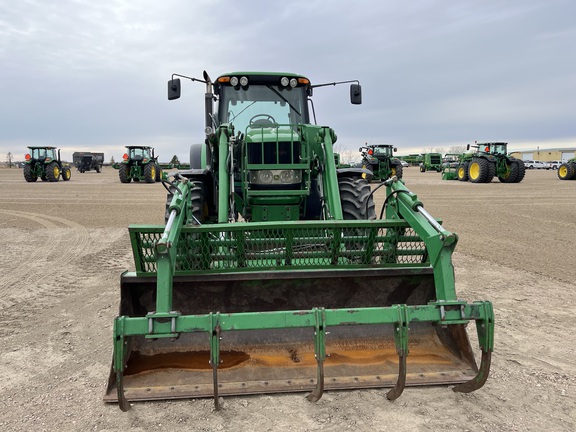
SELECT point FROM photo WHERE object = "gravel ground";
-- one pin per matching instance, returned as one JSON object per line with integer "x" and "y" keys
{"x": 66, "y": 244}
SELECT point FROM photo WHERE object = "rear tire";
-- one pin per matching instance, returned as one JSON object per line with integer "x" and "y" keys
{"x": 29, "y": 175}
{"x": 521, "y": 171}
{"x": 124, "y": 173}
{"x": 567, "y": 171}
{"x": 422, "y": 168}
{"x": 53, "y": 172}
{"x": 397, "y": 170}
{"x": 463, "y": 171}
{"x": 356, "y": 199}
{"x": 98, "y": 169}
{"x": 158, "y": 174}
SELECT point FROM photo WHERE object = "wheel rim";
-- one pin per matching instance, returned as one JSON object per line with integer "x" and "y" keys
{"x": 563, "y": 171}
{"x": 474, "y": 171}
{"x": 461, "y": 172}
{"x": 153, "y": 172}
{"x": 56, "y": 171}
{"x": 507, "y": 173}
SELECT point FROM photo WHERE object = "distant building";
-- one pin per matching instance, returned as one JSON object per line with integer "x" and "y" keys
{"x": 546, "y": 155}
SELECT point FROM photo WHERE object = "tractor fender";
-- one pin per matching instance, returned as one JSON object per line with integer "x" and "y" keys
{"x": 353, "y": 172}
{"x": 194, "y": 172}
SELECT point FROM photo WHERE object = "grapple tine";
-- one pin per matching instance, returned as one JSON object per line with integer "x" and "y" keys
{"x": 480, "y": 378}
{"x": 401, "y": 339}
{"x": 316, "y": 394}
{"x": 485, "y": 329}
{"x": 215, "y": 356}
{"x": 397, "y": 390}
{"x": 122, "y": 402}
{"x": 320, "y": 353}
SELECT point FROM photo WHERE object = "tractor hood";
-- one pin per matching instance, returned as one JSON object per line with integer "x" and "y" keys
{"x": 272, "y": 134}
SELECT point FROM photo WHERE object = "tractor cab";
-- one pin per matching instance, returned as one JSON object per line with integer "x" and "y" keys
{"x": 41, "y": 153}
{"x": 138, "y": 153}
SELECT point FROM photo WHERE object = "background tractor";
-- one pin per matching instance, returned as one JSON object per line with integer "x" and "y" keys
{"x": 272, "y": 273}
{"x": 139, "y": 164}
{"x": 431, "y": 162}
{"x": 567, "y": 171}
{"x": 489, "y": 160}
{"x": 43, "y": 163}
{"x": 379, "y": 160}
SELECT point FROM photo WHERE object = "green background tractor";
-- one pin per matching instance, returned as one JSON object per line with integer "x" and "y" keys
{"x": 489, "y": 160}
{"x": 139, "y": 164}
{"x": 44, "y": 163}
{"x": 379, "y": 159}
{"x": 567, "y": 171}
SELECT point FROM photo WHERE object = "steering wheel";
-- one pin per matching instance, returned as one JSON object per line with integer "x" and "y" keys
{"x": 266, "y": 120}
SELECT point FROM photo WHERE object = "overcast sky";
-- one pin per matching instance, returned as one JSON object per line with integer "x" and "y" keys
{"x": 91, "y": 75}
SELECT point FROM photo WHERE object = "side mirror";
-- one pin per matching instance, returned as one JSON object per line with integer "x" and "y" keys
{"x": 395, "y": 149}
{"x": 467, "y": 146}
{"x": 174, "y": 89}
{"x": 356, "y": 94}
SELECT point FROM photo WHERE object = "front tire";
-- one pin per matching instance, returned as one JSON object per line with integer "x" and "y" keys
{"x": 367, "y": 165}
{"x": 479, "y": 171}
{"x": 463, "y": 171}
{"x": 66, "y": 173}
{"x": 567, "y": 171}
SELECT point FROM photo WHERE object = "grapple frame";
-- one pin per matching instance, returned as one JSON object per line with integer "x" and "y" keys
{"x": 407, "y": 243}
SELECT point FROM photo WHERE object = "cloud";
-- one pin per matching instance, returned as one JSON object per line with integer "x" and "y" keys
{"x": 85, "y": 75}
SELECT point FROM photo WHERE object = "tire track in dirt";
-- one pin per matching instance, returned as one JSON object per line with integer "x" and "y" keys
{"x": 66, "y": 242}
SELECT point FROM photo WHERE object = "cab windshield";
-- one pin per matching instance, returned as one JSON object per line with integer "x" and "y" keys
{"x": 42, "y": 153}
{"x": 139, "y": 153}
{"x": 261, "y": 106}
{"x": 499, "y": 149}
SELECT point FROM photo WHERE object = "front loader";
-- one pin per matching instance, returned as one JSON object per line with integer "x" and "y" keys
{"x": 273, "y": 274}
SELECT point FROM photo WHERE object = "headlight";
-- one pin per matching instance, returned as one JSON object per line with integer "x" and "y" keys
{"x": 243, "y": 81}
{"x": 265, "y": 176}
{"x": 234, "y": 81}
{"x": 293, "y": 82}
{"x": 276, "y": 177}
{"x": 285, "y": 81}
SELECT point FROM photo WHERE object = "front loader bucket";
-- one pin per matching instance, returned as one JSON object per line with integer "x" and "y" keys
{"x": 305, "y": 307}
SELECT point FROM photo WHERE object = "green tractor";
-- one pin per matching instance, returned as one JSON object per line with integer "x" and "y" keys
{"x": 380, "y": 162}
{"x": 272, "y": 273}
{"x": 431, "y": 162}
{"x": 567, "y": 171}
{"x": 139, "y": 164}
{"x": 489, "y": 160}
{"x": 42, "y": 162}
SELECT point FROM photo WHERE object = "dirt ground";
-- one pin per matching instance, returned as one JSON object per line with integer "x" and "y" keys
{"x": 65, "y": 245}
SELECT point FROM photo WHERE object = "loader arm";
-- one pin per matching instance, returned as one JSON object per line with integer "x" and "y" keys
{"x": 440, "y": 243}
